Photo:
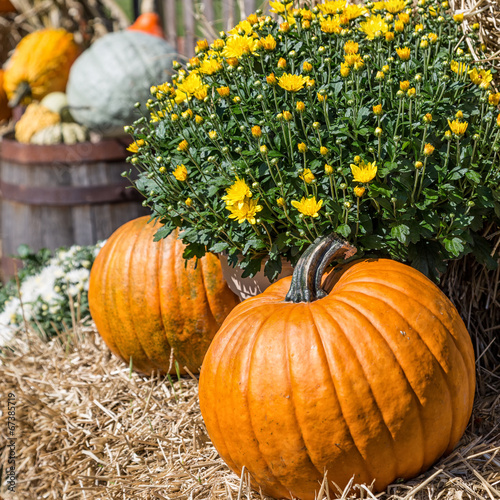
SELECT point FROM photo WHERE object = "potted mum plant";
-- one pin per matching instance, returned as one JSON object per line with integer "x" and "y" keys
{"x": 371, "y": 121}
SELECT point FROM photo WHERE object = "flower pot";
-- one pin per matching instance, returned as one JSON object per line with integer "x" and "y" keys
{"x": 249, "y": 287}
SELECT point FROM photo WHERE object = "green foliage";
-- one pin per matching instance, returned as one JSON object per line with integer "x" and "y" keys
{"x": 371, "y": 122}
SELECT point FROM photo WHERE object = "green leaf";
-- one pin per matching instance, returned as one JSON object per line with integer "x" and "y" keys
{"x": 344, "y": 230}
{"x": 400, "y": 232}
{"x": 219, "y": 247}
{"x": 475, "y": 177}
{"x": 454, "y": 245}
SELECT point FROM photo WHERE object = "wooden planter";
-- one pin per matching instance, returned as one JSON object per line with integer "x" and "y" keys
{"x": 61, "y": 195}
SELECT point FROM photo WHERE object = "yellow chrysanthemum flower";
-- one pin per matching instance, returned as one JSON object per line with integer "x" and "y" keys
{"x": 192, "y": 85}
{"x": 237, "y": 193}
{"x": 183, "y": 145}
{"x": 403, "y": 53}
{"x": 374, "y": 26}
{"x": 353, "y": 11}
{"x": 244, "y": 26}
{"x": 494, "y": 99}
{"x": 392, "y": 6}
{"x": 309, "y": 206}
{"x": 180, "y": 173}
{"x": 134, "y": 147}
{"x": 268, "y": 43}
{"x": 459, "y": 67}
{"x": 307, "y": 176}
{"x": 331, "y": 25}
{"x": 239, "y": 45}
{"x": 210, "y": 65}
{"x": 332, "y": 7}
{"x": 458, "y": 127}
{"x": 345, "y": 69}
{"x": 482, "y": 78}
{"x": 355, "y": 61}
{"x": 292, "y": 83}
{"x": 223, "y": 91}
{"x": 351, "y": 47}
{"x": 279, "y": 8}
{"x": 364, "y": 172}
{"x": 245, "y": 211}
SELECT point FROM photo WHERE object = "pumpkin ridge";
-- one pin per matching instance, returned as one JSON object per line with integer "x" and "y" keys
{"x": 260, "y": 332}
{"x": 346, "y": 420}
{"x": 201, "y": 263}
{"x": 245, "y": 389}
{"x": 415, "y": 397}
{"x": 141, "y": 238}
{"x": 318, "y": 330}
{"x": 453, "y": 417}
{"x": 286, "y": 338}
{"x": 107, "y": 255}
{"x": 134, "y": 332}
{"x": 159, "y": 266}
{"x": 399, "y": 290}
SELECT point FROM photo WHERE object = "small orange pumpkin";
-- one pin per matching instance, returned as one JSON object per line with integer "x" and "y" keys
{"x": 150, "y": 306}
{"x": 373, "y": 379}
{"x": 148, "y": 22}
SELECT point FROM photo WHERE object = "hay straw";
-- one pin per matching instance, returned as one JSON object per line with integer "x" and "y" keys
{"x": 87, "y": 428}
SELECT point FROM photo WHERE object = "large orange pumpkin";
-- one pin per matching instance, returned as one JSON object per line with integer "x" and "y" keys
{"x": 40, "y": 65}
{"x": 149, "y": 305}
{"x": 374, "y": 379}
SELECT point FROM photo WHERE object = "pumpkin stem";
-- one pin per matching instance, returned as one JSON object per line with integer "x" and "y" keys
{"x": 23, "y": 90}
{"x": 308, "y": 273}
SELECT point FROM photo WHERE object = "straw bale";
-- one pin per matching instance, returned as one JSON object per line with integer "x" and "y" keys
{"x": 88, "y": 428}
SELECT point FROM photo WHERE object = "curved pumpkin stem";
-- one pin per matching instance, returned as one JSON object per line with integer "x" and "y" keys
{"x": 308, "y": 273}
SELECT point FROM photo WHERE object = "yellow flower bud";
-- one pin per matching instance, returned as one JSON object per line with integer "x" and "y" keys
{"x": 359, "y": 191}
{"x": 328, "y": 169}
{"x": 300, "y": 106}
{"x": 302, "y": 147}
{"x": 323, "y": 151}
{"x": 428, "y": 149}
{"x": 418, "y": 164}
{"x": 263, "y": 149}
{"x": 189, "y": 202}
{"x": 256, "y": 131}
{"x": 377, "y": 109}
{"x": 212, "y": 134}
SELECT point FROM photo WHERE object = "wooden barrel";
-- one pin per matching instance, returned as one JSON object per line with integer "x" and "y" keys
{"x": 62, "y": 195}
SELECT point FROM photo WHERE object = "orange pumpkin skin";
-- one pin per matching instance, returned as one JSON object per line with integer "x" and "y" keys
{"x": 374, "y": 380}
{"x": 148, "y": 306}
{"x": 5, "y": 111}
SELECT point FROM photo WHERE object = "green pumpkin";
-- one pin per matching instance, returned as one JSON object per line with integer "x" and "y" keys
{"x": 117, "y": 71}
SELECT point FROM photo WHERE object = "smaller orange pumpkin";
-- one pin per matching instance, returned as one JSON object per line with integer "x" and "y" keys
{"x": 149, "y": 22}
{"x": 150, "y": 306}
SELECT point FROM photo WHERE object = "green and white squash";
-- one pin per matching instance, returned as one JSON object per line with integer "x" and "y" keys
{"x": 117, "y": 71}
{"x": 61, "y": 133}
{"x": 58, "y": 103}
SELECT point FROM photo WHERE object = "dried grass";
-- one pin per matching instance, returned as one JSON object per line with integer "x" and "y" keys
{"x": 87, "y": 428}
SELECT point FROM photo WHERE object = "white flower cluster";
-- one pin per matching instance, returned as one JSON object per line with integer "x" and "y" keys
{"x": 44, "y": 298}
